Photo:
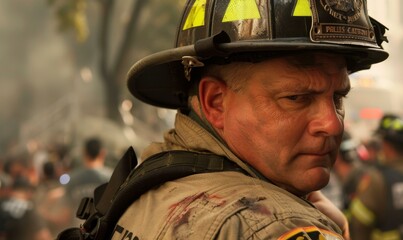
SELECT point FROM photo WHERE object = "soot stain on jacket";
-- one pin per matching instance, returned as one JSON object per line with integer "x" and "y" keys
{"x": 254, "y": 205}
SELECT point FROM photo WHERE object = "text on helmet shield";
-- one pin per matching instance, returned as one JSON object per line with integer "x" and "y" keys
{"x": 341, "y": 22}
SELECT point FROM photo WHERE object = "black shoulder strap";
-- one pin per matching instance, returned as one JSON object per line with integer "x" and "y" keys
{"x": 111, "y": 200}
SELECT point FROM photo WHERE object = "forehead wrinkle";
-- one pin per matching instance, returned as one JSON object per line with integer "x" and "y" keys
{"x": 293, "y": 71}
{"x": 290, "y": 79}
{"x": 269, "y": 81}
{"x": 302, "y": 81}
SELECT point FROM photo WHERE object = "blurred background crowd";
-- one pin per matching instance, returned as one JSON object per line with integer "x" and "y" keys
{"x": 63, "y": 100}
{"x": 40, "y": 191}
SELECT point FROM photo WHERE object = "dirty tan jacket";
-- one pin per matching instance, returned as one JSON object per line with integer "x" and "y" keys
{"x": 220, "y": 205}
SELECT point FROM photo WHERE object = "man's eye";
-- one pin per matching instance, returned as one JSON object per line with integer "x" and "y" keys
{"x": 293, "y": 97}
{"x": 302, "y": 98}
{"x": 338, "y": 100}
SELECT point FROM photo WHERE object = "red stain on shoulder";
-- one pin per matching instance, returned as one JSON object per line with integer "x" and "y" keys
{"x": 185, "y": 202}
{"x": 181, "y": 212}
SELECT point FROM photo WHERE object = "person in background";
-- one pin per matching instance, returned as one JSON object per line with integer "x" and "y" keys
{"x": 19, "y": 218}
{"x": 49, "y": 199}
{"x": 373, "y": 146}
{"x": 348, "y": 169}
{"x": 377, "y": 209}
{"x": 83, "y": 180}
{"x": 5, "y": 179}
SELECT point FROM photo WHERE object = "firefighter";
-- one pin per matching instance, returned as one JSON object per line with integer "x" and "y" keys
{"x": 260, "y": 84}
{"x": 349, "y": 168}
{"x": 377, "y": 210}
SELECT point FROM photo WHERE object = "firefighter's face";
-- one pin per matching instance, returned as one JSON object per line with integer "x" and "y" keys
{"x": 287, "y": 121}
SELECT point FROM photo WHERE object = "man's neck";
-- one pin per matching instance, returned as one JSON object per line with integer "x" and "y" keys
{"x": 94, "y": 163}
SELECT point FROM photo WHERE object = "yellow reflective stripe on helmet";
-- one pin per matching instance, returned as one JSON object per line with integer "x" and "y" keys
{"x": 196, "y": 15}
{"x": 389, "y": 235}
{"x": 362, "y": 213}
{"x": 397, "y": 125}
{"x": 302, "y": 9}
{"x": 394, "y": 124}
{"x": 241, "y": 10}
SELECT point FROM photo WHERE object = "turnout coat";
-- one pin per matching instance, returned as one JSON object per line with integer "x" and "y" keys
{"x": 218, "y": 205}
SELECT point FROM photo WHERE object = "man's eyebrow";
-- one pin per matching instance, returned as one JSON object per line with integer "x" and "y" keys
{"x": 309, "y": 90}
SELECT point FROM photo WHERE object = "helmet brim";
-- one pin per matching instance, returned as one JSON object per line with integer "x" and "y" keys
{"x": 159, "y": 79}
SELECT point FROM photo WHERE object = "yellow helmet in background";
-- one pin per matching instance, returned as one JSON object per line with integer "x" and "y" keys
{"x": 221, "y": 31}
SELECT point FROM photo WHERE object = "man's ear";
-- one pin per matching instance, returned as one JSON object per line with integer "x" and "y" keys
{"x": 211, "y": 96}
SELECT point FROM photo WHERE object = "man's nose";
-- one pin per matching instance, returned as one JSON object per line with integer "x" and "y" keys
{"x": 327, "y": 121}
